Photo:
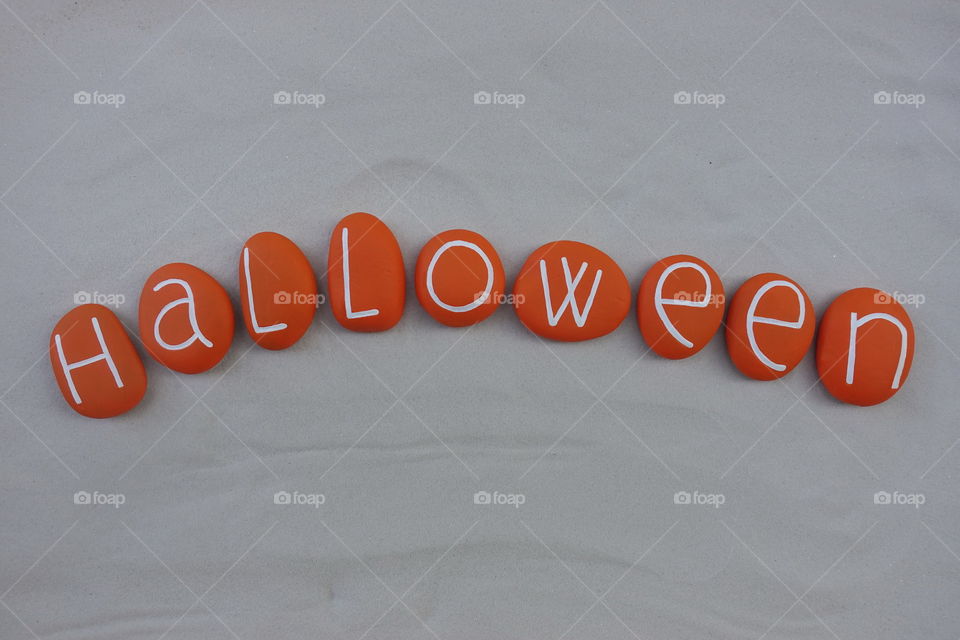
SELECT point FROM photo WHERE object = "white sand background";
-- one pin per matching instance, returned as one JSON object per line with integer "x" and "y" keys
{"x": 799, "y": 171}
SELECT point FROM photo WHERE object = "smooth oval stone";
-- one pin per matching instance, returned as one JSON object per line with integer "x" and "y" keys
{"x": 186, "y": 319}
{"x": 278, "y": 290}
{"x": 679, "y": 306}
{"x": 770, "y": 326}
{"x": 571, "y": 291}
{"x": 459, "y": 278}
{"x": 865, "y": 347}
{"x": 99, "y": 371}
{"x": 365, "y": 269}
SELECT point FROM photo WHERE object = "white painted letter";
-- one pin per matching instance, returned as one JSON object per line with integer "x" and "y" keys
{"x": 570, "y": 299}
{"x": 659, "y": 302}
{"x": 191, "y": 313}
{"x": 103, "y": 355}
{"x": 351, "y": 314}
{"x": 855, "y": 324}
{"x": 753, "y": 319}
{"x": 479, "y": 299}
{"x": 280, "y": 326}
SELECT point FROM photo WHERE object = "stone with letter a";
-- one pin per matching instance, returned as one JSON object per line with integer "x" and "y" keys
{"x": 186, "y": 318}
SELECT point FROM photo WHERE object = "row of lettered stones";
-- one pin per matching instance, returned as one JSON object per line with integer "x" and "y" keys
{"x": 567, "y": 291}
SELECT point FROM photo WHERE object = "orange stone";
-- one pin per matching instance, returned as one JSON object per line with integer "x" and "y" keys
{"x": 366, "y": 280}
{"x": 679, "y": 306}
{"x": 186, "y": 319}
{"x": 459, "y": 278}
{"x": 865, "y": 347}
{"x": 99, "y": 371}
{"x": 770, "y": 326}
{"x": 570, "y": 291}
{"x": 278, "y": 290}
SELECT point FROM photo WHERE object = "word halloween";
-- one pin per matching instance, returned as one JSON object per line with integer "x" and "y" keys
{"x": 566, "y": 291}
